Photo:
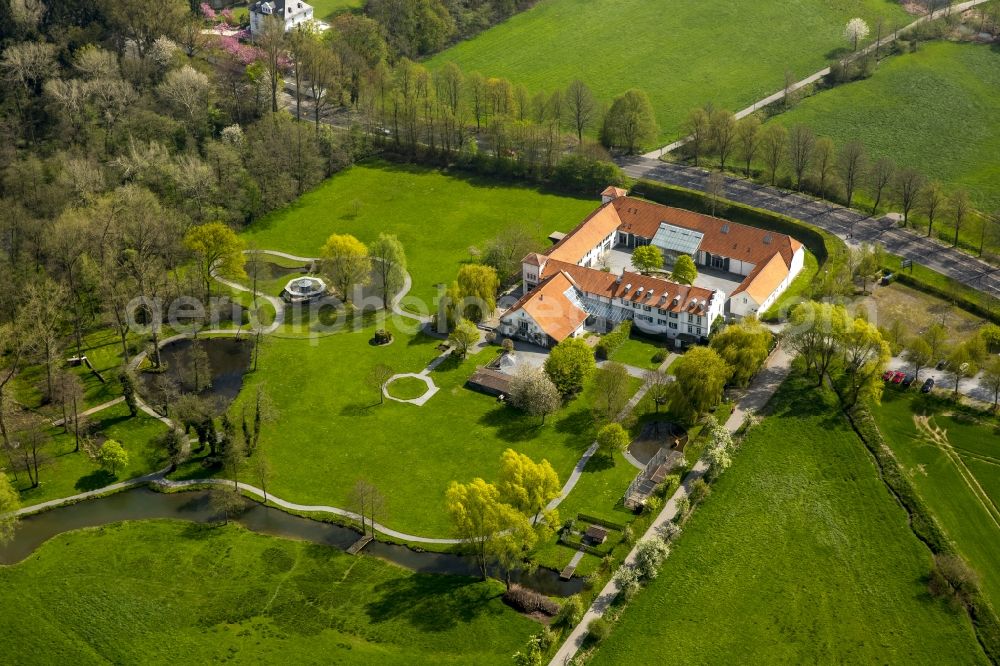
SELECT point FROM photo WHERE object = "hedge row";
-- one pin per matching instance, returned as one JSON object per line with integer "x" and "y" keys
{"x": 960, "y": 300}
{"x": 822, "y": 244}
{"x": 613, "y": 340}
{"x": 984, "y": 619}
{"x": 599, "y": 521}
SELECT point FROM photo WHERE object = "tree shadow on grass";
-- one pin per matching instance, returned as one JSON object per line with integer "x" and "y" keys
{"x": 599, "y": 462}
{"x": 360, "y": 408}
{"x": 96, "y": 479}
{"x": 512, "y": 426}
{"x": 431, "y": 603}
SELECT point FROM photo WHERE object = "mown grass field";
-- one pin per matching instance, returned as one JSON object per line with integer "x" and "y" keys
{"x": 947, "y": 480}
{"x": 326, "y": 9}
{"x": 436, "y": 216}
{"x": 173, "y": 592}
{"x": 331, "y": 429}
{"x": 683, "y": 53}
{"x": 800, "y": 555}
{"x": 935, "y": 110}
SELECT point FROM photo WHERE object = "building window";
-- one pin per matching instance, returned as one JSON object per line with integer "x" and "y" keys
{"x": 522, "y": 327}
{"x": 673, "y": 315}
{"x": 661, "y": 311}
{"x": 661, "y": 322}
{"x": 646, "y": 308}
{"x": 673, "y": 325}
{"x": 698, "y": 330}
{"x": 690, "y": 328}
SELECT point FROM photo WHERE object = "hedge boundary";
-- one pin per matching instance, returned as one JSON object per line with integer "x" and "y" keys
{"x": 600, "y": 521}
{"x": 609, "y": 342}
{"x": 957, "y": 299}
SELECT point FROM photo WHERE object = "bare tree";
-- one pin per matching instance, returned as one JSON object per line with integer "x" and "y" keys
{"x": 773, "y": 143}
{"x": 908, "y": 184}
{"x": 581, "y": 108}
{"x": 723, "y": 132}
{"x": 748, "y": 140}
{"x": 960, "y": 209}
{"x": 932, "y": 197}
{"x": 879, "y": 178}
{"x": 825, "y": 160}
{"x": 715, "y": 190}
{"x": 659, "y": 387}
{"x": 698, "y": 128}
{"x": 377, "y": 378}
{"x": 366, "y": 501}
{"x": 272, "y": 43}
{"x": 851, "y": 164}
{"x": 801, "y": 146}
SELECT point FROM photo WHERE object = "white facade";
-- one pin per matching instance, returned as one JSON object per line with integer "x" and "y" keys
{"x": 292, "y": 12}
{"x": 743, "y": 304}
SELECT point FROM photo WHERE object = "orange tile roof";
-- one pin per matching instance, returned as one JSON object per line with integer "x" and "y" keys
{"x": 554, "y": 313}
{"x": 764, "y": 279}
{"x": 739, "y": 241}
{"x": 599, "y": 283}
{"x": 534, "y": 259}
{"x": 599, "y": 225}
{"x": 613, "y": 192}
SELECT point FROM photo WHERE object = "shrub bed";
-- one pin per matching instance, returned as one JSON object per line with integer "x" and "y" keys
{"x": 529, "y": 601}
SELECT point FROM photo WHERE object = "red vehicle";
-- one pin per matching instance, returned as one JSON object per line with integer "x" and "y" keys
{"x": 898, "y": 377}
{"x": 887, "y": 375}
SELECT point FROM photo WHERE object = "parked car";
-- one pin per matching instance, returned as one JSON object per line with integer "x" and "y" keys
{"x": 887, "y": 375}
{"x": 942, "y": 364}
{"x": 898, "y": 377}
{"x": 887, "y": 278}
{"x": 928, "y": 385}
{"x": 908, "y": 381}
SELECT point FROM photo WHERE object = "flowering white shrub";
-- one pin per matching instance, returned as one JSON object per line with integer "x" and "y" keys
{"x": 649, "y": 555}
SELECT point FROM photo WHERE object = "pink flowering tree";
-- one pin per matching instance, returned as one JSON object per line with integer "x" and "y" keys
{"x": 207, "y": 11}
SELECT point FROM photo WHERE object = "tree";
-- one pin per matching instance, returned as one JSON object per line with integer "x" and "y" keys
{"x": 630, "y": 122}
{"x": 346, "y": 263}
{"x": 801, "y": 149}
{"x": 271, "y": 40}
{"x": 866, "y": 355}
{"x": 700, "y": 375}
{"x": 186, "y": 90}
{"x": 851, "y": 165}
{"x": 526, "y": 485}
{"x": 825, "y": 161}
{"x": 9, "y": 504}
{"x": 226, "y": 502}
{"x": 377, "y": 378}
{"x": 388, "y": 264}
{"x": 936, "y": 337}
{"x": 647, "y": 258}
{"x": 814, "y": 333}
{"x": 960, "y": 208}
{"x": 879, "y": 177}
{"x": 867, "y": 262}
{"x": 505, "y": 251}
{"x": 474, "y": 292}
{"x": 856, "y": 31}
{"x": 113, "y": 456}
{"x": 569, "y": 365}
{"x": 961, "y": 366}
{"x": 463, "y": 336}
{"x": 366, "y": 501}
{"x": 748, "y": 140}
{"x": 480, "y": 519}
{"x": 533, "y": 392}
{"x": 744, "y": 347}
{"x": 581, "y": 107}
{"x": 43, "y": 314}
{"x": 611, "y": 391}
{"x": 773, "y": 142}
{"x": 722, "y": 128}
{"x": 219, "y": 252}
{"x": 685, "y": 272}
{"x": 698, "y": 128}
{"x": 990, "y": 381}
{"x": 715, "y": 190}
{"x": 908, "y": 184}
{"x": 70, "y": 395}
{"x": 919, "y": 354}
{"x": 932, "y": 197}
{"x": 612, "y": 437}
{"x": 658, "y": 384}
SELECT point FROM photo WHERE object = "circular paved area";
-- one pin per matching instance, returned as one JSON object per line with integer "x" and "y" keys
{"x": 431, "y": 388}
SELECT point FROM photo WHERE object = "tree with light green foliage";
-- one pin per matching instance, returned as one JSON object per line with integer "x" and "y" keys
{"x": 701, "y": 375}
{"x": 744, "y": 346}
{"x": 526, "y": 485}
{"x": 389, "y": 264}
{"x": 918, "y": 353}
{"x": 647, "y": 258}
{"x": 684, "y": 272}
{"x": 991, "y": 379}
{"x": 473, "y": 295}
{"x": 346, "y": 263}
{"x": 630, "y": 122}
{"x": 569, "y": 365}
{"x": 9, "y": 503}
{"x": 533, "y": 392}
{"x": 484, "y": 522}
{"x": 464, "y": 335}
{"x": 612, "y": 437}
{"x": 112, "y": 456}
{"x": 218, "y": 250}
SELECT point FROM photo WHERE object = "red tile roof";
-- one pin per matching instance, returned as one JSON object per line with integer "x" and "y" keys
{"x": 548, "y": 305}
{"x": 585, "y": 237}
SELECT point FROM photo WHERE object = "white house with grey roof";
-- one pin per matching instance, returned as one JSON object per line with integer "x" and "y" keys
{"x": 292, "y": 12}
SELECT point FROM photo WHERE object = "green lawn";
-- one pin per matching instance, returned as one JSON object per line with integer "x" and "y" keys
{"x": 639, "y": 352}
{"x": 436, "y": 216}
{"x": 326, "y": 9}
{"x": 331, "y": 429}
{"x": 935, "y": 110}
{"x": 407, "y": 388}
{"x": 68, "y": 473}
{"x": 939, "y": 479}
{"x": 800, "y": 555}
{"x": 683, "y": 53}
{"x": 174, "y": 592}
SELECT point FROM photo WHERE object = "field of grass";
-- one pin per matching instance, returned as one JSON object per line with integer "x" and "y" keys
{"x": 325, "y": 9}
{"x": 800, "y": 555}
{"x": 173, "y": 592}
{"x": 918, "y": 310}
{"x": 436, "y": 216}
{"x": 947, "y": 482}
{"x": 331, "y": 429}
{"x": 407, "y": 388}
{"x": 935, "y": 110}
{"x": 68, "y": 473}
{"x": 638, "y": 352}
{"x": 683, "y": 53}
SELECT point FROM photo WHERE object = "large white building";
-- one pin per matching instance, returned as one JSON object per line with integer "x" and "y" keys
{"x": 566, "y": 292}
{"x": 292, "y": 12}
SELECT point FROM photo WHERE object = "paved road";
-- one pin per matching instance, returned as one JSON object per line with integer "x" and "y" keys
{"x": 851, "y": 225}
{"x": 760, "y": 392}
